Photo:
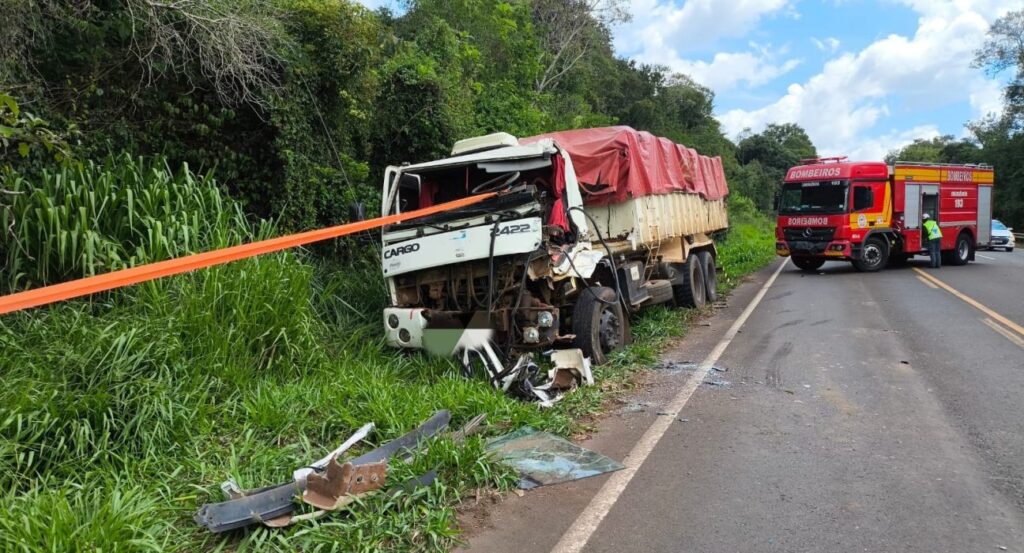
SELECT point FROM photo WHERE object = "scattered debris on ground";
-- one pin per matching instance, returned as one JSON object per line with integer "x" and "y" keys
{"x": 543, "y": 459}
{"x": 525, "y": 379}
{"x": 327, "y": 484}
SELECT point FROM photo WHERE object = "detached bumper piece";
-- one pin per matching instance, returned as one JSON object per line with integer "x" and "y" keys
{"x": 524, "y": 379}
{"x": 329, "y": 484}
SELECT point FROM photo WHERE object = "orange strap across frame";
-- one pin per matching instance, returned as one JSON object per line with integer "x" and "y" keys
{"x": 160, "y": 269}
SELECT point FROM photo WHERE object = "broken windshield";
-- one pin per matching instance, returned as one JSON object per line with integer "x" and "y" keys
{"x": 813, "y": 197}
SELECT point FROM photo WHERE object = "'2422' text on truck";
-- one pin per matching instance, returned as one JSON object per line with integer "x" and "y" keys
{"x": 871, "y": 213}
{"x": 587, "y": 226}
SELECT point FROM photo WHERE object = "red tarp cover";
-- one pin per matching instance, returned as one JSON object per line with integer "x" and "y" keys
{"x": 616, "y": 163}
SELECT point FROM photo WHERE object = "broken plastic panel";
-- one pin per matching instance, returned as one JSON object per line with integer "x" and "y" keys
{"x": 543, "y": 459}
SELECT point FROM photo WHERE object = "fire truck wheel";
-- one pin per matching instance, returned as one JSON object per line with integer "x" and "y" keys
{"x": 873, "y": 256}
{"x": 707, "y": 264}
{"x": 808, "y": 263}
{"x": 962, "y": 252}
{"x": 691, "y": 293}
{"x": 598, "y": 323}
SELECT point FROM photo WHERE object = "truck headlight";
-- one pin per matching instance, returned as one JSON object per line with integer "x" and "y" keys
{"x": 404, "y": 336}
{"x": 393, "y": 320}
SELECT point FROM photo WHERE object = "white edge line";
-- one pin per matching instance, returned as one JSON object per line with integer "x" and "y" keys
{"x": 581, "y": 530}
{"x": 986, "y": 257}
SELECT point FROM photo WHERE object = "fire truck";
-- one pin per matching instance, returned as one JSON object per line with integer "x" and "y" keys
{"x": 871, "y": 213}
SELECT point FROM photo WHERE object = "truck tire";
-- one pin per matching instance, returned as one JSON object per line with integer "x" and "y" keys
{"x": 599, "y": 323}
{"x": 961, "y": 251}
{"x": 873, "y": 256}
{"x": 691, "y": 293}
{"x": 707, "y": 264}
{"x": 808, "y": 263}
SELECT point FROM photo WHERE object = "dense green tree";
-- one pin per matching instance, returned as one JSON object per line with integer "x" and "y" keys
{"x": 767, "y": 156}
{"x": 1004, "y": 51}
{"x": 941, "y": 149}
{"x": 298, "y": 105}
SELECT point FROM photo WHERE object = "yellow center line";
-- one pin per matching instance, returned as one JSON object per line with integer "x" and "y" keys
{"x": 973, "y": 303}
{"x": 1006, "y": 333}
{"x": 928, "y": 283}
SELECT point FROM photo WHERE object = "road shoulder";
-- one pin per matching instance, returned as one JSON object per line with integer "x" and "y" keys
{"x": 518, "y": 524}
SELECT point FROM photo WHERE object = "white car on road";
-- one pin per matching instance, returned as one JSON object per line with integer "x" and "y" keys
{"x": 1002, "y": 237}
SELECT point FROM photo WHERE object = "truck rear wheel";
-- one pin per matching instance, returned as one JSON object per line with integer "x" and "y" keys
{"x": 691, "y": 293}
{"x": 962, "y": 251}
{"x": 707, "y": 264}
{"x": 598, "y": 323}
{"x": 808, "y": 263}
{"x": 873, "y": 256}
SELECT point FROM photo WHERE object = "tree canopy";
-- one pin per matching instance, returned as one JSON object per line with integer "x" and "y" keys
{"x": 997, "y": 139}
{"x": 298, "y": 105}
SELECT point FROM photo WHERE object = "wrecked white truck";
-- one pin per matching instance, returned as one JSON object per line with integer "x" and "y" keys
{"x": 586, "y": 227}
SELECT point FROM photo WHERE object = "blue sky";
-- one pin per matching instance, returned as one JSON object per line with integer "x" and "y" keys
{"x": 862, "y": 76}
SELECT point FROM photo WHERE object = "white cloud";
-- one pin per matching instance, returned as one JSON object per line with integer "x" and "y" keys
{"x": 854, "y": 92}
{"x": 662, "y": 30}
{"x": 727, "y": 69}
{"x": 662, "y": 25}
{"x": 875, "y": 148}
{"x": 830, "y": 44}
{"x": 987, "y": 97}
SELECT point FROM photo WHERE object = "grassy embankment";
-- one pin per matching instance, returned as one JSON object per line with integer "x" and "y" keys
{"x": 119, "y": 415}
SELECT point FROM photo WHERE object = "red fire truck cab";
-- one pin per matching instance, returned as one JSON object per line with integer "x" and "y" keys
{"x": 870, "y": 213}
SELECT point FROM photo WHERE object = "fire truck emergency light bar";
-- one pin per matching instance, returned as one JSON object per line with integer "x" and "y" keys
{"x": 160, "y": 269}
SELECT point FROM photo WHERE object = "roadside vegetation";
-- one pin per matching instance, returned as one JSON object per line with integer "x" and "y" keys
{"x": 139, "y": 130}
{"x": 120, "y": 414}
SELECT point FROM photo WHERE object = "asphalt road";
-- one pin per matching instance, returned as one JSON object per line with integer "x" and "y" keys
{"x": 859, "y": 412}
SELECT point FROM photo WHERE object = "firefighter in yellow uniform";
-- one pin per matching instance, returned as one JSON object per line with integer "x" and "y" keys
{"x": 934, "y": 235}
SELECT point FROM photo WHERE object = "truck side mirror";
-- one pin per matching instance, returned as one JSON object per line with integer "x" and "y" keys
{"x": 777, "y": 202}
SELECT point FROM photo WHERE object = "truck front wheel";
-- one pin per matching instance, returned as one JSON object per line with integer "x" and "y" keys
{"x": 691, "y": 293}
{"x": 962, "y": 251}
{"x": 808, "y": 263}
{"x": 873, "y": 256}
{"x": 598, "y": 323}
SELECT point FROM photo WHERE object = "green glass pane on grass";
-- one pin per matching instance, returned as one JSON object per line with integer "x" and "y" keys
{"x": 543, "y": 459}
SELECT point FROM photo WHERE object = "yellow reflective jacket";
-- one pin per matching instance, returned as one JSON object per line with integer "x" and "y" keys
{"x": 933, "y": 229}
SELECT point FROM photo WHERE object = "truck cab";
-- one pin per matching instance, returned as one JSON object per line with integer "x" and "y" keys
{"x": 871, "y": 214}
{"x": 829, "y": 209}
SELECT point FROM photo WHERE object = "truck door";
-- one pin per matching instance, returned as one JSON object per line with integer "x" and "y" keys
{"x": 871, "y": 205}
{"x": 929, "y": 205}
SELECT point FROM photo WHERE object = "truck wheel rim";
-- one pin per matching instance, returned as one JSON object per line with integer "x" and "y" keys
{"x": 961, "y": 249}
{"x": 609, "y": 330}
{"x": 872, "y": 254}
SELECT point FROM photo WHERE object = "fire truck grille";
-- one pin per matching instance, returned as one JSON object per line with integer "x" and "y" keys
{"x": 809, "y": 234}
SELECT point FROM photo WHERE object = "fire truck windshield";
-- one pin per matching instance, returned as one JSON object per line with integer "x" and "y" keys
{"x": 814, "y": 197}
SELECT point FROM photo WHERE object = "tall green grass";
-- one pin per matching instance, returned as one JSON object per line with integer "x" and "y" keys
{"x": 120, "y": 414}
{"x": 748, "y": 245}
{"x": 91, "y": 218}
